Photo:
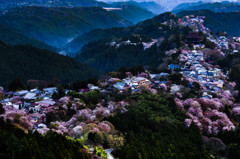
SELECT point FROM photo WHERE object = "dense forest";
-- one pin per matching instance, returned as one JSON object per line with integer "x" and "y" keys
{"x": 153, "y": 128}
{"x": 15, "y": 143}
{"x": 232, "y": 63}
{"x": 13, "y": 37}
{"x": 27, "y": 62}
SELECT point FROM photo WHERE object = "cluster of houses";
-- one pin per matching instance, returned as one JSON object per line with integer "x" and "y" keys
{"x": 222, "y": 42}
{"x": 196, "y": 23}
{"x": 32, "y": 101}
{"x": 210, "y": 78}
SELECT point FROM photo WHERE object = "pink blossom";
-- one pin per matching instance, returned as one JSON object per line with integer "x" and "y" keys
{"x": 74, "y": 107}
{"x": 64, "y": 107}
{"x": 188, "y": 122}
{"x": 95, "y": 130}
{"x": 163, "y": 86}
{"x": 236, "y": 110}
{"x": 143, "y": 74}
{"x": 179, "y": 103}
{"x": 104, "y": 127}
{"x": 179, "y": 95}
{"x": 64, "y": 100}
{"x": 187, "y": 102}
{"x": 101, "y": 112}
{"x": 153, "y": 91}
{"x": 85, "y": 112}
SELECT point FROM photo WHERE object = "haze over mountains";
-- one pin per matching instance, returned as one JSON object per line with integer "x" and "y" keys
{"x": 49, "y": 24}
{"x": 58, "y": 26}
{"x": 216, "y": 7}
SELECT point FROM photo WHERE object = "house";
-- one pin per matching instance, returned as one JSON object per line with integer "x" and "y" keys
{"x": 35, "y": 109}
{"x": 206, "y": 95}
{"x": 50, "y": 91}
{"x": 128, "y": 81}
{"x": 154, "y": 76}
{"x": 42, "y": 125}
{"x": 46, "y": 102}
{"x": 174, "y": 67}
{"x": 21, "y": 93}
{"x": 209, "y": 74}
{"x": 92, "y": 87}
{"x": 140, "y": 81}
{"x": 119, "y": 86}
{"x": 175, "y": 88}
{"x": 163, "y": 74}
{"x": 219, "y": 83}
{"x": 30, "y": 96}
{"x": 135, "y": 90}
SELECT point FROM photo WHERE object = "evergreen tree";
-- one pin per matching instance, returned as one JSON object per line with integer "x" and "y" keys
{"x": 15, "y": 84}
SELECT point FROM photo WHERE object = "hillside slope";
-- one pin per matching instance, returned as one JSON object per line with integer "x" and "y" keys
{"x": 148, "y": 27}
{"x": 27, "y": 62}
{"x": 131, "y": 12}
{"x": 228, "y": 22}
{"x": 10, "y": 36}
{"x": 143, "y": 44}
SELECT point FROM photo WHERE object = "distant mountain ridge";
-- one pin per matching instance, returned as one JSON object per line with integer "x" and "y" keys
{"x": 131, "y": 12}
{"x": 216, "y": 7}
{"x": 6, "y": 4}
{"x": 57, "y": 26}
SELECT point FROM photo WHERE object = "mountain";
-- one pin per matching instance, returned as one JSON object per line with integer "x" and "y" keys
{"x": 74, "y": 3}
{"x": 142, "y": 44}
{"x": 13, "y": 37}
{"x": 227, "y": 22}
{"x": 28, "y": 62}
{"x": 50, "y": 3}
{"x": 216, "y": 7}
{"x": 95, "y": 35}
{"x": 185, "y": 6}
{"x": 151, "y": 6}
{"x": 76, "y": 44}
{"x": 131, "y": 12}
{"x": 57, "y": 26}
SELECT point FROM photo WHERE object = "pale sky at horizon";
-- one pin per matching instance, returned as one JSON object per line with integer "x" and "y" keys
{"x": 165, "y": 1}
{"x": 170, "y": 4}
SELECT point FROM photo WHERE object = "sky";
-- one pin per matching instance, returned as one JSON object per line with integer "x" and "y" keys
{"x": 169, "y": 4}
{"x": 170, "y": 1}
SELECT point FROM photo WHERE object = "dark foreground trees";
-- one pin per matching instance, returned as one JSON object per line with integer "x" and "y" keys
{"x": 154, "y": 128}
{"x": 16, "y": 144}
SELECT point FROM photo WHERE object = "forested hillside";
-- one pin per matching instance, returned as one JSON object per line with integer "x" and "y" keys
{"x": 13, "y": 37}
{"x": 27, "y": 62}
{"x": 227, "y": 22}
{"x": 130, "y": 48}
